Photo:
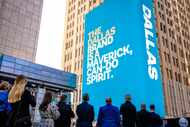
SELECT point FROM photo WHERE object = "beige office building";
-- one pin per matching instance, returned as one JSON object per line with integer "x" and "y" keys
{"x": 19, "y": 27}
{"x": 74, "y": 38}
{"x": 173, "y": 30}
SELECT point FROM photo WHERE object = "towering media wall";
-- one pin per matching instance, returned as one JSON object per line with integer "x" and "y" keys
{"x": 121, "y": 54}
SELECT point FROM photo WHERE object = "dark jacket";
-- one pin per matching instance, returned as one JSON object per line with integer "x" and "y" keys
{"x": 21, "y": 109}
{"x": 66, "y": 115}
{"x": 85, "y": 113}
{"x": 154, "y": 120}
{"x": 108, "y": 116}
{"x": 5, "y": 107}
{"x": 128, "y": 112}
{"x": 142, "y": 118}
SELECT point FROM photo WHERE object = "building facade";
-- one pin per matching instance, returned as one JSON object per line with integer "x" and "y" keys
{"x": 74, "y": 38}
{"x": 19, "y": 27}
{"x": 173, "y": 30}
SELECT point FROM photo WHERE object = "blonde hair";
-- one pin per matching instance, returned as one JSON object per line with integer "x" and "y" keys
{"x": 17, "y": 90}
{"x": 4, "y": 85}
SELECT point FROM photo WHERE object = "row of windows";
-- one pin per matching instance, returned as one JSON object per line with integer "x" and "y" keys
{"x": 176, "y": 76}
{"x": 188, "y": 58}
{"x": 80, "y": 19}
{"x": 69, "y": 44}
{"x": 71, "y": 9}
{"x": 71, "y": 2}
{"x": 160, "y": 6}
{"x": 168, "y": 13}
{"x": 172, "y": 45}
{"x": 173, "y": 48}
{"x": 185, "y": 34}
{"x": 68, "y": 68}
{"x": 80, "y": 79}
{"x": 182, "y": 17}
{"x": 78, "y": 53}
{"x": 184, "y": 25}
{"x": 70, "y": 17}
{"x": 81, "y": 10}
{"x": 171, "y": 32}
{"x": 81, "y": 2}
{"x": 78, "y": 65}
{"x": 80, "y": 28}
{"x": 80, "y": 38}
{"x": 169, "y": 59}
{"x": 69, "y": 26}
{"x": 162, "y": 16}
{"x": 163, "y": 27}
{"x": 68, "y": 57}
{"x": 69, "y": 34}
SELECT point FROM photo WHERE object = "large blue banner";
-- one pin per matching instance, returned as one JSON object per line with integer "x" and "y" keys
{"x": 121, "y": 55}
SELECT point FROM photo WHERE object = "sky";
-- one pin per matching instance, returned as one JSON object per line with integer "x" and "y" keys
{"x": 50, "y": 41}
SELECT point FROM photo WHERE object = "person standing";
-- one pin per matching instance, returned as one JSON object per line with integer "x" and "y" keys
{"x": 154, "y": 118}
{"x": 85, "y": 113}
{"x": 142, "y": 117}
{"x": 128, "y": 112}
{"x": 108, "y": 115}
{"x": 20, "y": 100}
{"x": 65, "y": 112}
{"x": 5, "y": 107}
{"x": 48, "y": 112}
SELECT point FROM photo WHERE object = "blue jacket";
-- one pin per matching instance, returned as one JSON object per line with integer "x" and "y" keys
{"x": 4, "y": 105}
{"x": 108, "y": 116}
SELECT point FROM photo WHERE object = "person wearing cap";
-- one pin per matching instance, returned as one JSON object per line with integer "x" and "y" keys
{"x": 108, "y": 115}
{"x": 66, "y": 113}
{"x": 85, "y": 113}
{"x": 142, "y": 116}
{"x": 154, "y": 118}
{"x": 128, "y": 112}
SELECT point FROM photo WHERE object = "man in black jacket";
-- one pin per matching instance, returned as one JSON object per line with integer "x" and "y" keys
{"x": 142, "y": 117}
{"x": 85, "y": 113}
{"x": 154, "y": 118}
{"x": 66, "y": 113}
{"x": 128, "y": 112}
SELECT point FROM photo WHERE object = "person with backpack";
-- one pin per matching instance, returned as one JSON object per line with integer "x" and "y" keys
{"x": 5, "y": 107}
{"x": 66, "y": 113}
{"x": 128, "y": 112}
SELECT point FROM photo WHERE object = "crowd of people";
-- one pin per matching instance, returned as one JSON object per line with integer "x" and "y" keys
{"x": 15, "y": 102}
